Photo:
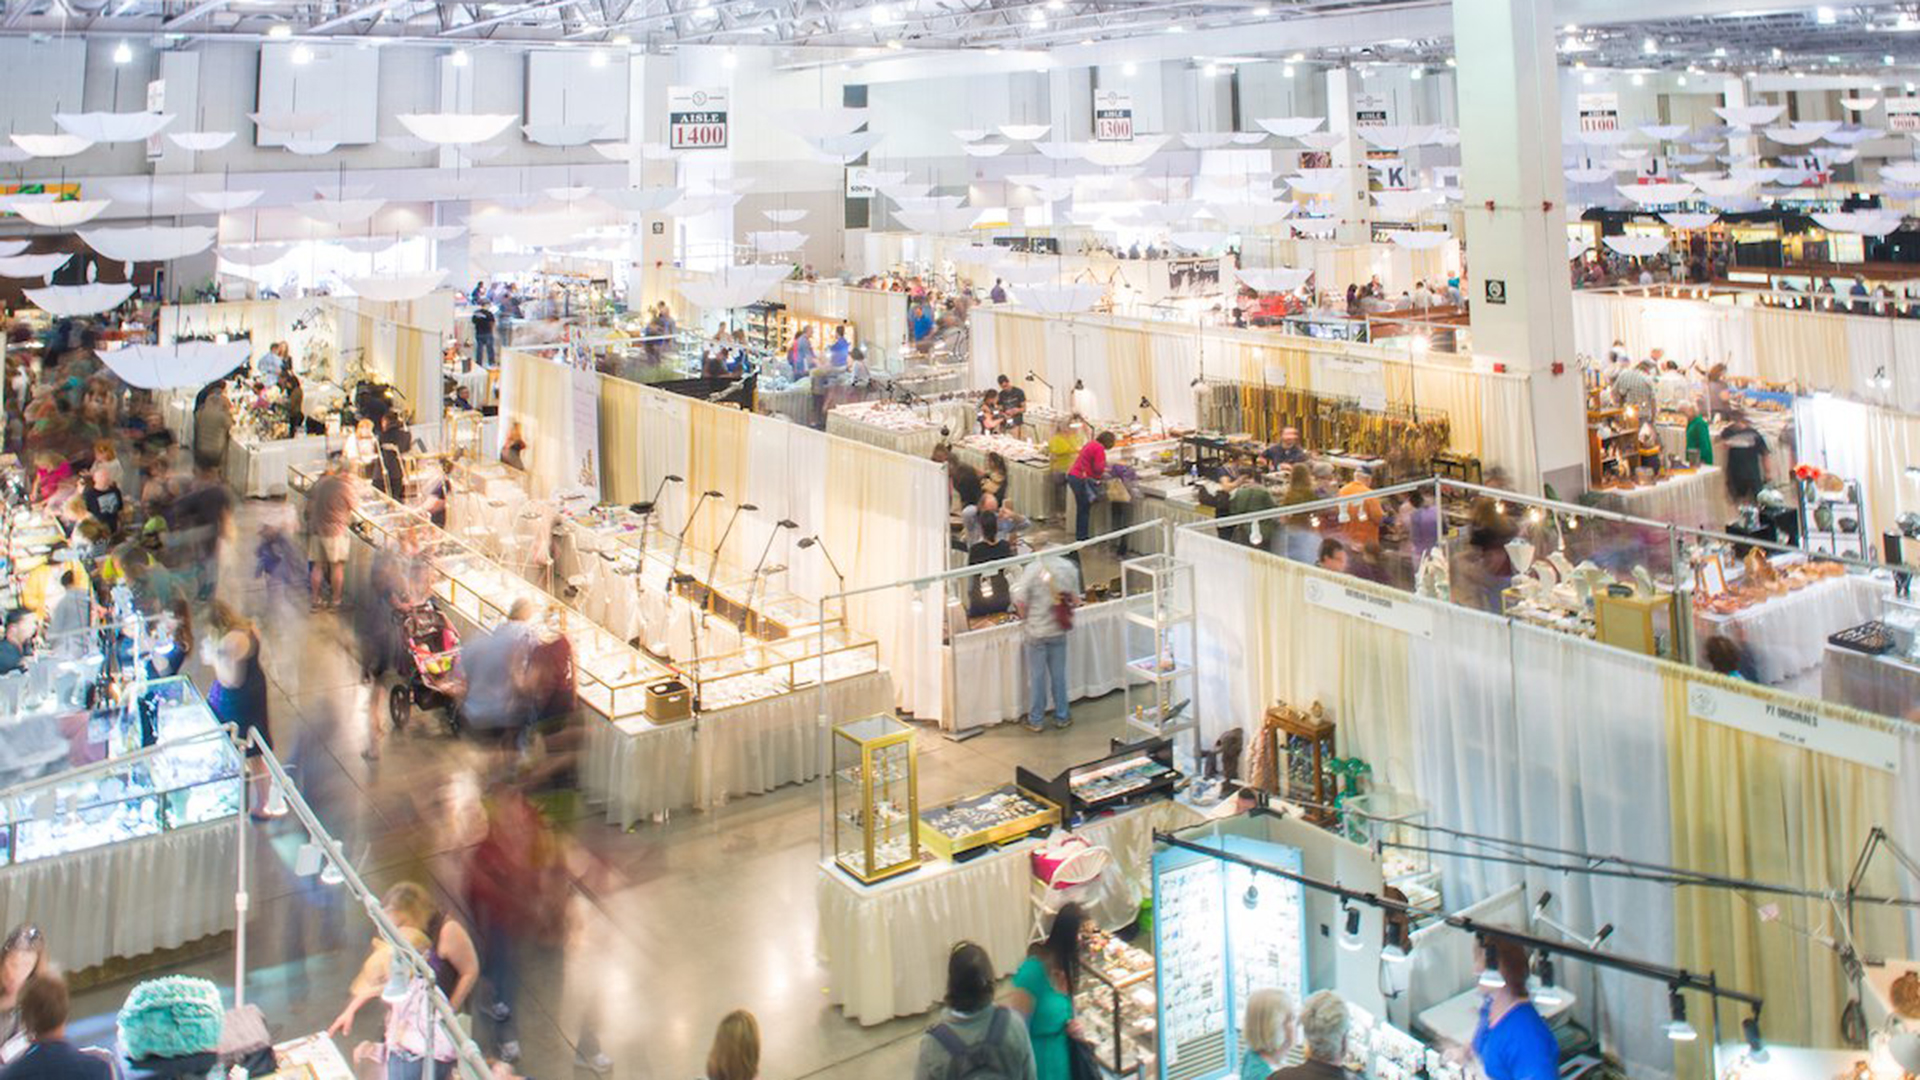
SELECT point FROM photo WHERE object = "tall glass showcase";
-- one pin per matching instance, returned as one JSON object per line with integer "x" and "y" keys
{"x": 875, "y": 799}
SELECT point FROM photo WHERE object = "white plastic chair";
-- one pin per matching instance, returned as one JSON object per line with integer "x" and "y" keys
{"x": 1090, "y": 878}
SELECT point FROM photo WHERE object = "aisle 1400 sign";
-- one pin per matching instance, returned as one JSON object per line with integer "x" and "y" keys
{"x": 697, "y": 118}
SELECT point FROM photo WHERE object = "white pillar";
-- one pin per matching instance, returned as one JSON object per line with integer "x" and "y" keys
{"x": 652, "y": 245}
{"x": 1350, "y": 156}
{"x": 1515, "y": 214}
{"x": 1734, "y": 95}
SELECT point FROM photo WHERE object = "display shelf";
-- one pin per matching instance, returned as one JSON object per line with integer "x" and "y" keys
{"x": 1379, "y": 1051}
{"x": 185, "y": 782}
{"x": 1157, "y": 592}
{"x": 1004, "y": 814}
{"x": 1116, "y": 1009}
{"x": 1833, "y": 518}
{"x": 1129, "y": 774}
{"x": 875, "y": 799}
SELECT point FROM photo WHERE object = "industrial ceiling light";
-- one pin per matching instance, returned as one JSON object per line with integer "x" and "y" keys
{"x": 1056, "y": 5}
{"x": 1418, "y": 73}
{"x": 1825, "y": 16}
{"x": 1587, "y": 79}
{"x": 302, "y": 54}
{"x": 599, "y": 59}
{"x": 1287, "y": 71}
{"x": 1490, "y": 977}
{"x": 1677, "y": 1027}
{"x": 1450, "y": 61}
{"x": 460, "y": 58}
{"x": 1650, "y": 46}
{"x": 1350, "y": 928}
{"x": 1262, "y": 11}
{"x": 122, "y": 53}
{"x": 879, "y": 15}
{"x": 1680, "y": 81}
{"x": 1176, "y": 28}
{"x": 1129, "y": 69}
{"x": 1888, "y": 60}
{"x": 623, "y": 40}
{"x": 1036, "y": 19}
{"x": 1639, "y": 79}
{"x": 1750, "y": 1031}
{"x": 1209, "y": 70}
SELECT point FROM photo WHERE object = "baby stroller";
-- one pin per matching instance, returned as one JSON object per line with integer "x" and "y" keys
{"x": 427, "y": 663}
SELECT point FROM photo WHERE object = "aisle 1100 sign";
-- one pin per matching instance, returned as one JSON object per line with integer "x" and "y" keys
{"x": 697, "y": 118}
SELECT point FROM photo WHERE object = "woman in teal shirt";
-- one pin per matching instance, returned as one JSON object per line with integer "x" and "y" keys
{"x": 1043, "y": 993}
{"x": 1268, "y": 1032}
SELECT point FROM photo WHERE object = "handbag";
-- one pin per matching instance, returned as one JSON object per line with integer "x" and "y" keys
{"x": 1082, "y": 1064}
{"x": 1117, "y": 491}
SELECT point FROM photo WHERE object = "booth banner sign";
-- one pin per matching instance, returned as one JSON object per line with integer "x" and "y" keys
{"x": 1372, "y": 110}
{"x": 156, "y": 103}
{"x": 1193, "y": 277}
{"x": 860, "y": 182}
{"x": 1113, "y": 116}
{"x": 1599, "y": 112}
{"x": 585, "y": 429}
{"x": 1383, "y": 230}
{"x": 1807, "y": 730}
{"x": 1387, "y": 611}
{"x": 1903, "y": 114}
{"x": 697, "y": 117}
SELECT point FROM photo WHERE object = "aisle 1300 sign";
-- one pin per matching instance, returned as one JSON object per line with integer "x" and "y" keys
{"x": 697, "y": 118}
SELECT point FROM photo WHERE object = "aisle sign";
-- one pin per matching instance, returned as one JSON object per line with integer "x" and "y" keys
{"x": 156, "y": 103}
{"x": 1113, "y": 116}
{"x": 1388, "y": 611}
{"x": 1804, "y": 728}
{"x": 697, "y": 117}
{"x": 1903, "y": 114}
{"x": 1371, "y": 110}
{"x": 859, "y": 181}
{"x": 1599, "y": 112}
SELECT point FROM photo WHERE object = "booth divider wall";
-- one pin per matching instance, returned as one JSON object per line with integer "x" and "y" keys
{"x": 1518, "y": 732}
{"x": 1844, "y": 354}
{"x": 882, "y": 515}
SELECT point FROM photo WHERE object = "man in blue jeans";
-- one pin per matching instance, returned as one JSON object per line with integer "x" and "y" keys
{"x": 483, "y": 350}
{"x": 1044, "y": 586}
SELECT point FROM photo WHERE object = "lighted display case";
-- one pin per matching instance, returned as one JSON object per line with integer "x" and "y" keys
{"x": 967, "y": 825}
{"x": 186, "y": 782}
{"x": 1129, "y": 774}
{"x": 1114, "y": 1001}
{"x": 875, "y": 799}
{"x": 764, "y": 670}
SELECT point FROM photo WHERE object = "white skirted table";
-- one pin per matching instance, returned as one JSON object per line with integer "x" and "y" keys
{"x": 885, "y": 945}
{"x": 477, "y": 382}
{"x": 640, "y": 770}
{"x": 130, "y": 898}
{"x": 1786, "y": 637}
{"x": 1880, "y": 684}
{"x": 986, "y": 675}
{"x": 795, "y": 403}
{"x": 1030, "y": 486}
{"x": 913, "y": 430}
{"x": 1698, "y": 499}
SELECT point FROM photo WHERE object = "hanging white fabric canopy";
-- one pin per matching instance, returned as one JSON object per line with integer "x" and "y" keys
{"x": 1747, "y": 116}
{"x": 1795, "y": 177}
{"x": 1250, "y": 215}
{"x": 1321, "y": 140}
{"x": 784, "y": 217}
{"x": 255, "y": 254}
{"x": 63, "y": 215}
{"x": 776, "y": 241}
{"x": 366, "y": 245}
{"x": 456, "y": 129}
{"x": 1835, "y": 155}
{"x": 1632, "y": 153}
{"x": 1576, "y": 247}
{"x": 10, "y": 248}
{"x": 10, "y": 204}
{"x": 1398, "y": 136}
{"x": 1120, "y": 155}
{"x": 1025, "y": 132}
{"x": 221, "y": 202}
{"x": 1607, "y": 137}
{"x": 200, "y": 141}
{"x": 1590, "y": 176}
{"x": 1060, "y": 298}
{"x": 76, "y": 300}
{"x": 845, "y": 148}
{"x": 395, "y": 288}
{"x": 180, "y": 366}
{"x": 1690, "y": 221}
{"x": 1207, "y": 140}
{"x": 32, "y": 266}
{"x": 504, "y": 262}
{"x": 1795, "y": 136}
{"x": 1854, "y": 136}
{"x": 1197, "y": 242}
{"x": 985, "y": 150}
{"x": 1291, "y": 127}
{"x": 1867, "y": 223}
{"x": 640, "y": 200}
{"x": 1405, "y": 204}
{"x": 967, "y": 135}
{"x": 1637, "y": 246}
{"x": 563, "y": 134}
{"x": 1049, "y": 188}
{"x": 440, "y": 232}
{"x": 734, "y": 286}
{"x": 1757, "y": 175}
{"x": 1663, "y": 132}
{"x": 1859, "y": 104}
{"x": 112, "y": 127}
{"x": 51, "y": 146}
{"x": 309, "y": 147}
{"x": 1418, "y": 240}
{"x": 1901, "y": 172}
{"x": 1059, "y": 151}
{"x": 1689, "y": 159}
{"x": 290, "y": 123}
{"x": 149, "y": 243}
{"x": 1273, "y": 278}
{"x": 820, "y": 123}
{"x": 1735, "y": 204}
{"x": 341, "y": 211}
{"x": 934, "y": 221}
{"x": 1316, "y": 181}
{"x": 1656, "y": 194}
{"x": 1703, "y": 177}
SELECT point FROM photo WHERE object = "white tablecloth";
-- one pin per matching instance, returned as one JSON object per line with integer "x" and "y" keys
{"x": 916, "y": 442}
{"x": 886, "y": 945}
{"x": 1698, "y": 499}
{"x": 987, "y": 669}
{"x": 478, "y": 386}
{"x": 127, "y": 899}
{"x": 259, "y": 469}
{"x": 1786, "y": 637}
{"x": 1880, "y": 684}
{"x": 639, "y": 770}
{"x": 795, "y": 403}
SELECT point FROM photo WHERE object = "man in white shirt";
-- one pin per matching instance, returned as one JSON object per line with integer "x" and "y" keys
{"x": 1048, "y": 589}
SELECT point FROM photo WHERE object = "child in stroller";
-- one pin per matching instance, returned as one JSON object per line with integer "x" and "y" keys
{"x": 427, "y": 665}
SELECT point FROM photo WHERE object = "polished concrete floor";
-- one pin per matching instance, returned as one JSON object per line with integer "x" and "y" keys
{"x": 671, "y": 924}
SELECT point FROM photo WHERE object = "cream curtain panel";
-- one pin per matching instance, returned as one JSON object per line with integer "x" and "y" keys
{"x": 535, "y": 394}
{"x": 1805, "y": 347}
{"x": 620, "y": 454}
{"x": 1874, "y": 444}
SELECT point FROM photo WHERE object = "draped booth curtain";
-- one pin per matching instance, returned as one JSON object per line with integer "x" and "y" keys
{"x": 1531, "y": 735}
{"x": 536, "y": 394}
{"x": 1873, "y": 444}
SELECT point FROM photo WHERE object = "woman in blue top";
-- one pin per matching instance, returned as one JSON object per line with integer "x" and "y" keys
{"x": 1043, "y": 993}
{"x": 1511, "y": 1040}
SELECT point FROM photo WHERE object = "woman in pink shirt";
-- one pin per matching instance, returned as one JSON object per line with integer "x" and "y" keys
{"x": 1084, "y": 479}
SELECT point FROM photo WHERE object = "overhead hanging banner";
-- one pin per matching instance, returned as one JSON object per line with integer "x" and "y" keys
{"x": 156, "y": 103}
{"x": 1113, "y": 116}
{"x": 1903, "y": 114}
{"x": 860, "y": 182}
{"x": 585, "y": 428}
{"x": 697, "y": 117}
{"x": 1599, "y": 112}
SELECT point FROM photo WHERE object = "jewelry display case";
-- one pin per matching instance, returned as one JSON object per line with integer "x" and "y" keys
{"x": 1113, "y": 999}
{"x": 1379, "y": 1051}
{"x": 187, "y": 782}
{"x": 1160, "y": 686}
{"x": 1130, "y": 774}
{"x": 955, "y": 831}
{"x": 764, "y": 670}
{"x": 875, "y": 799}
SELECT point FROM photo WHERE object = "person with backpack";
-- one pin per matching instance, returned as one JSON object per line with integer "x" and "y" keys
{"x": 975, "y": 1038}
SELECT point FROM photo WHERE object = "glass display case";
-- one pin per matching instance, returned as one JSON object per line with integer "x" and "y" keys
{"x": 1158, "y": 591}
{"x": 764, "y": 670}
{"x": 875, "y": 799}
{"x": 1130, "y": 774}
{"x": 956, "y": 830}
{"x": 186, "y": 782}
{"x": 1114, "y": 1002}
{"x": 1395, "y": 824}
{"x": 1379, "y": 1051}
{"x": 55, "y": 731}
